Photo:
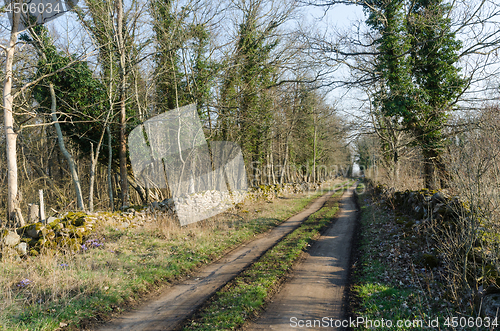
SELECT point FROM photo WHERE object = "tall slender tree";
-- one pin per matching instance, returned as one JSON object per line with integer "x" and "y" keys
{"x": 113, "y": 29}
{"x": 245, "y": 102}
{"x": 171, "y": 35}
{"x": 13, "y": 209}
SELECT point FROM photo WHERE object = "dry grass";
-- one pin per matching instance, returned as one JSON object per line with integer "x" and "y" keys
{"x": 409, "y": 178}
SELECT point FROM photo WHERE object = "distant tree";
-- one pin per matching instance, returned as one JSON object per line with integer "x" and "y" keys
{"x": 171, "y": 35}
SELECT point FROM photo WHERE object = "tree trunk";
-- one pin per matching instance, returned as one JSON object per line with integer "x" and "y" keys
{"x": 284, "y": 171}
{"x": 10, "y": 134}
{"x": 123, "y": 113}
{"x": 314, "y": 154}
{"x": 430, "y": 178}
{"x": 93, "y": 164}
{"x": 62, "y": 147}
{"x": 92, "y": 178}
{"x": 110, "y": 173}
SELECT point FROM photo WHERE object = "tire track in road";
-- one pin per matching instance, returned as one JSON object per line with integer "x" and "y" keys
{"x": 316, "y": 289}
{"x": 179, "y": 301}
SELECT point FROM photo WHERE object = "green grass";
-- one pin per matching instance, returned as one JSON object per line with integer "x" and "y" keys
{"x": 235, "y": 303}
{"x": 132, "y": 262}
{"x": 384, "y": 290}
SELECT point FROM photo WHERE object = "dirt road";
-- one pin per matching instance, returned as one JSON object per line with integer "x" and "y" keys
{"x": 316, "y": 288}
{"x": 179, "y": 301}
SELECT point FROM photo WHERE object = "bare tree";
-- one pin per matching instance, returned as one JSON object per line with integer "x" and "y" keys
{"x": 13, "y": 210}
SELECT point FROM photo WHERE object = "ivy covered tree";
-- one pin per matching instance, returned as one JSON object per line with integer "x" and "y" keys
{"x": 418, "y": 75}
{"x": 245, "y": 106}
{"x": 434, "y": 57}
{"x": 203, "y": 70}
{"x": 79, "y": 110}
{"x": 184, "y": 72}
{"x": 393, "y": 73}
{"x": 170, "y": 37}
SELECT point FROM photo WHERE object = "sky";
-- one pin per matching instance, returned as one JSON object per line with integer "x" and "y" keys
{"x": 338, "y": 17}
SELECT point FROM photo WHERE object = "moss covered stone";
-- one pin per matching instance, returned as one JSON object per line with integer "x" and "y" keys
{"x": 32, "y": 230}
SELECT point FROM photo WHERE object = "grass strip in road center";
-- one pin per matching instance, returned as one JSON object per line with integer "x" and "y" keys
{"x": 247, "y": 294}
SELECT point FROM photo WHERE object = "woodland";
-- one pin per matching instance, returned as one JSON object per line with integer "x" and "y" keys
{"x": 404, "y": 94}
{"x": 416, "y": 87}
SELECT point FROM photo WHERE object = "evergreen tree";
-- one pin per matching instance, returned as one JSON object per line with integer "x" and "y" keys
{"x": 79, "y": 110}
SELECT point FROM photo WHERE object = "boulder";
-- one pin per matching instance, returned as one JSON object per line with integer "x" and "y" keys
{"x": 81, "y": 231}
{"x": 22, "y": 248}
{"x": 419, "y": 211}
{"x": 439, "y": 209}
{"x": 74, "y": 218}
{"x": 10, "y": 239}
{"x": 57, "y": 227}
{"x": 33, "y": 230}
{"x": 33, "y": 212}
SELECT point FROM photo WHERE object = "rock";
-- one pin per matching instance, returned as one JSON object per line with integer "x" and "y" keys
{"x": 51, "y": 219}
{"x": 57, "y": 227}
{"x": 491, "y": 305}
{"x": 34, "y": 230}
{"x": 33, "y": 212}
{"x": 75, "y": 218}
{"x": 168, "y": 202}
{"x": 22, "y": 248}
{"x": 81, "y": 231}
{"x": 419, "y": 212}
{"x": 438, "y": 197}
{"x": 10, "y": 239}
